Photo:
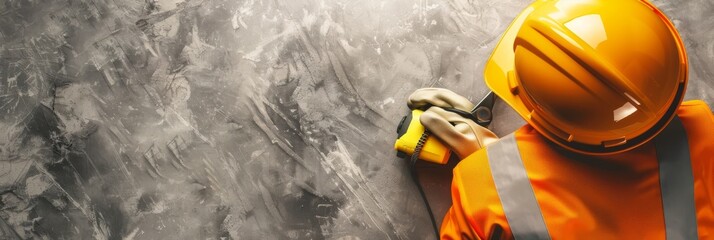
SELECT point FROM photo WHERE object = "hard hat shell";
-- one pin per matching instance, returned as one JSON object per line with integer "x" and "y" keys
{"x": 594, "y": 76}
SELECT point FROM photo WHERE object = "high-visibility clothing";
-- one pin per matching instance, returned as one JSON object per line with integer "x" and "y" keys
{"x": 532, "y": 188}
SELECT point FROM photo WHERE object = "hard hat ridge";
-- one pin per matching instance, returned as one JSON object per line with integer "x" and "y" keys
{"x": 587, "y": 76}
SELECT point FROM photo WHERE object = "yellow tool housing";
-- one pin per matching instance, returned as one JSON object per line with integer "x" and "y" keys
{"x": 410, "y": 131}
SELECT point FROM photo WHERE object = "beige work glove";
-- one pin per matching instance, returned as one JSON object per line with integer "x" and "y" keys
{"x": 462, "y": 135}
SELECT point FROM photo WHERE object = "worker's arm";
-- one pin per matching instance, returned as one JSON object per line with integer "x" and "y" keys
{"x": 460, "y": 134}
{"x": 476, "y": 212}
{"x": 454, "y": 227}
{"x": 455, "y": 224}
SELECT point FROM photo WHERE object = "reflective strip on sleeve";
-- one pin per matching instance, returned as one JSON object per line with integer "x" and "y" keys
{"x": 515, "y": 190}
{"x": 676, "y": 181}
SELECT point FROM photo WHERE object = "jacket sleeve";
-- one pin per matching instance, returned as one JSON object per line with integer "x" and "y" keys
{"x": 476, "y": 211}
{"x": 455, "y": 227}
{"x": 455, "y": 224}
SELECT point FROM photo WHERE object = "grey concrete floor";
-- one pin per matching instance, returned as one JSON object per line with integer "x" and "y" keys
{"x": 220, "y": 119}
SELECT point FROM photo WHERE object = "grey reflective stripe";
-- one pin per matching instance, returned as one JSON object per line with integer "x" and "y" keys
{"x": 676, "y": 182}
{"x": 515, "y": 191}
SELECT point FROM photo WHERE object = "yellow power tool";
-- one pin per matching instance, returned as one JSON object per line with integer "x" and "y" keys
{"x": 411, "y": 133}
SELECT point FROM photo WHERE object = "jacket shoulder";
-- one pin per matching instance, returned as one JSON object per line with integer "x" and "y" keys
{"x": 697, "y": 105}
{"x": 697, "y": 113}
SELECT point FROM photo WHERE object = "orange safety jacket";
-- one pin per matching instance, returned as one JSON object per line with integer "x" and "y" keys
{"x": 529, "y": 188}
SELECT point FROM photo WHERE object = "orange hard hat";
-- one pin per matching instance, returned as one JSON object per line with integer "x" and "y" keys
{"x": 594, "y": 76}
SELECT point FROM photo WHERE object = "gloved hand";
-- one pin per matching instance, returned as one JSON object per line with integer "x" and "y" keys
{"x": 462, "y": 135}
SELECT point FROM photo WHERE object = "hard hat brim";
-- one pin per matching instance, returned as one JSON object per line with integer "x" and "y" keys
{"x": 502, "y": 62}
{"x": 500, "y": 77}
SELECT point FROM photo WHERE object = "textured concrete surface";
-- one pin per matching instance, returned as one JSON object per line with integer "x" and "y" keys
{"x": 218, "y": 119}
